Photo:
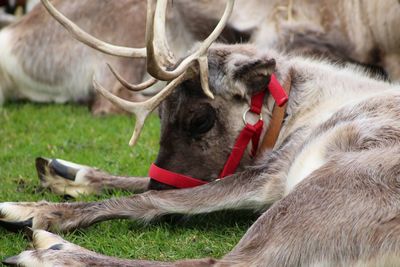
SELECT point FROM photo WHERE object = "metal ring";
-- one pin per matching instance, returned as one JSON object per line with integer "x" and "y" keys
{"x": 245, "y": 113}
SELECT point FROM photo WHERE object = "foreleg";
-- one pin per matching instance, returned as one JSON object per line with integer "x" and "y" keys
{"x": 67, "y": 178}
{"x": 248, "y": 190}
{"x": 52, "y": 250}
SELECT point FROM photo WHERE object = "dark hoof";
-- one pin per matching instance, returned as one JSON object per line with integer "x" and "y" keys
{"x": 62, "y": 170}
{"x": 16, "y": 226}
{"x": 57, "y": 247}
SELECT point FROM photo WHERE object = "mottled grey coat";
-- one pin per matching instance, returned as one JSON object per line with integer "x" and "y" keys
{"x": 331, "y": 183}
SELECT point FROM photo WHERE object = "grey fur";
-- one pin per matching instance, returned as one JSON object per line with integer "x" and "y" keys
{"x": 332, "y": 178}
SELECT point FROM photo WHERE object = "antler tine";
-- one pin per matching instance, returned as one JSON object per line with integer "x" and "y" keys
{"x": 90, "y": 40}
{"x": 159, "y": 55}
{"x": 140, "y": 109}
{"x": 157, "y": 46}
{"x": 129, "y": 86}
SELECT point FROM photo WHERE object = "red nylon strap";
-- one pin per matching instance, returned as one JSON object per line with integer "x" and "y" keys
{"x": 174, "y": 179}
{"x": 257, "y": 102}
{"x": 277, "y": 91}
{"x": 248, "y": 133}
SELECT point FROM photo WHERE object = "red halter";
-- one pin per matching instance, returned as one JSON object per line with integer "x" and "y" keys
{"x": 249, "y": 132}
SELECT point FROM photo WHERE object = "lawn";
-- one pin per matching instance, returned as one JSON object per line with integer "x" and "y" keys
{"x": 70, "y": 132}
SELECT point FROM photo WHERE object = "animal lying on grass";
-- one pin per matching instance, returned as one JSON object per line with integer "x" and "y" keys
{"x": 328, "y": 189}
{"x": 40, "y": 62}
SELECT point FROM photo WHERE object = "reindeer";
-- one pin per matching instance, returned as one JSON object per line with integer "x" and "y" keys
{"x": 28, "y": 72}
{"x": 300, "y": 28}
{"x": 351, "y": 30}
{"x": 330, "y": 180}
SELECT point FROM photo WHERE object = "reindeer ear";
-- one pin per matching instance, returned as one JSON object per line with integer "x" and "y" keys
{"x": 253, "y": 73}
{"x": 239, "y": 70}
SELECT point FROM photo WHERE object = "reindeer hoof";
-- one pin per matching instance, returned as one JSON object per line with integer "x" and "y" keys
{"x": 50, "y": 250}
{"x": 16, "y": 226}
{"x": 64, "y": 177}
{"x": 41, "y": 240}
{"x": 15, "y": 216}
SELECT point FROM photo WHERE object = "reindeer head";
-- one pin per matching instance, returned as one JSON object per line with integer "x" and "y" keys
{"x": 202, "y": 106}
{"x": 197, "y": 133}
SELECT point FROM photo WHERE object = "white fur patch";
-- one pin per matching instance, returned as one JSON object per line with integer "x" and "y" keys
{"x": 80, "y": 186}
{"x": 42, "y": 257}
{"x": 27, "y": 258}
{"x": 326, "y": 102}
{"x": 310, "y": 159}
{"x": 43, "y": 239}
{"x": 14, "y": 212}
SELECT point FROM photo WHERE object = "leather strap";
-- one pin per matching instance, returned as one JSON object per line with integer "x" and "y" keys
{"x": 278, "y": 116}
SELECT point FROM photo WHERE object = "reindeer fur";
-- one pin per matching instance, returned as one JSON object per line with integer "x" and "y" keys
{"x": 330, "y": 183}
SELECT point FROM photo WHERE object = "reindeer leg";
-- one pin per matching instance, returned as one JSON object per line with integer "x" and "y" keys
{"x": 346, "y": 213}
{"x": 248, "y": 190}
{"x": 67, "y": 178}
{"x": 52, "y": 250}
{"x": 253, "y": 189}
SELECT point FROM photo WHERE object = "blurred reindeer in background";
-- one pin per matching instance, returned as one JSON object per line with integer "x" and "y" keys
{"x": 346, "y": 30}
{"x": 40, "y": 62}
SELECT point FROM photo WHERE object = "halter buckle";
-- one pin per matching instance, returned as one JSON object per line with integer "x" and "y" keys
{"x": 255, "y": 117}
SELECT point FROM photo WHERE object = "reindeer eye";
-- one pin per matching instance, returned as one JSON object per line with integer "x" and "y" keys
{"x": 202, "y": 122}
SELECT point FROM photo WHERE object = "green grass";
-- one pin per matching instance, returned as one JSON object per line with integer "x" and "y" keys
{"x": 71, "y": 133}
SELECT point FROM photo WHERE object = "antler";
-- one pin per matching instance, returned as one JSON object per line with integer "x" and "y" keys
{"x": 156, "y": 43}
{"x": 141, "y": 109}
{"x": 160, "y": 59}
{"x": 129, "y": 86}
